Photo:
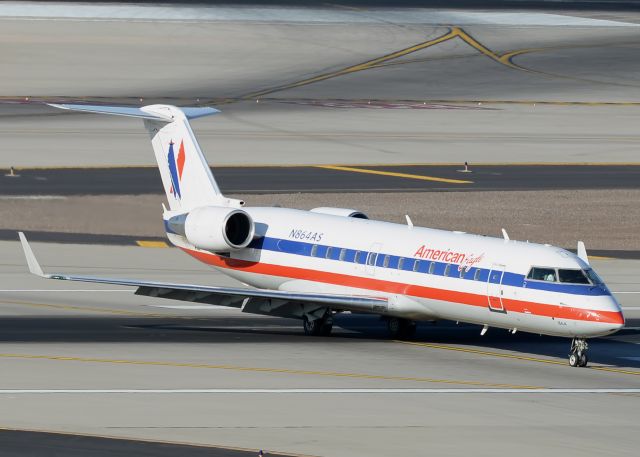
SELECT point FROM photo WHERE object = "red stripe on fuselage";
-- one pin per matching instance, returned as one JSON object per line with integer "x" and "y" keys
{"x": 379, "y": 285}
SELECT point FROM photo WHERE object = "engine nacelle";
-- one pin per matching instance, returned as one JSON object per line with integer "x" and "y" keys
{"x": 346, "y": 212}
{"x": 215, "y": 228}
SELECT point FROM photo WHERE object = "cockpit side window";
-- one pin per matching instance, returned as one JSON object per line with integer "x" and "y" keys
{"x": 572, "y": 276}
{"x": 542, "y": 274}
{"x": 593, "y": 276}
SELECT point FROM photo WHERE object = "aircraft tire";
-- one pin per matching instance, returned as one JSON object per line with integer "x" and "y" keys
{"x": 401, "y": 328}
{"x": 325, "y": 329}
{"x": 583, "y": 359}
{"x": 574, "y": 360}
{"x": 312, "y": 327}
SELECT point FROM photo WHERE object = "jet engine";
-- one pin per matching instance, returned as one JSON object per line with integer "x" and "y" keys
{"x": 215, "y": 228}
{"x": 346, "y": 212}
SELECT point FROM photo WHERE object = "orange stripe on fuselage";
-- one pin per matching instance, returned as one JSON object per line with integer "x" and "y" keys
{"x": 379, "y": 285}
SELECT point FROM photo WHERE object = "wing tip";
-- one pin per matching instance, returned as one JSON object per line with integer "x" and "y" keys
{"x": 32, "y": 262}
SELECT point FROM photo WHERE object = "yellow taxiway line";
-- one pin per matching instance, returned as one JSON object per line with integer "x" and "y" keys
{"x": 394, "y": 174}
{"x": 237, "y": 368}
{"x": 118, "y": 312}
{"x": 511, "y": 356}
{"x": 151, "y": 244}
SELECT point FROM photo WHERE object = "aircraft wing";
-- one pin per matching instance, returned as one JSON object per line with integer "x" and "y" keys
{"x": 226, "y": 296}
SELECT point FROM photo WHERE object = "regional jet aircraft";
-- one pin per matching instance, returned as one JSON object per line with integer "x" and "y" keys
{"x": 311, "y": 265}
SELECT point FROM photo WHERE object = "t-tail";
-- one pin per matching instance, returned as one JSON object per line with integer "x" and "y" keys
{"x": 185, "y": 174}
{"x": 199, "y": 215}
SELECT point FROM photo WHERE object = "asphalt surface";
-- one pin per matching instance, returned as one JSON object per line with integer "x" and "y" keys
{"x": 22, "y": 443}
{"x": 248, "y": 180}
{"x": 151, "y": 369}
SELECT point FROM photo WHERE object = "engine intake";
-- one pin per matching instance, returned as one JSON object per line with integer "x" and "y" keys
{"x": 215, "y": 228}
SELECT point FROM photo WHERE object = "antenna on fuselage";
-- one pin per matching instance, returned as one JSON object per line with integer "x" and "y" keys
{"x": 409, "y": 223}
{"x": 505, "y": 235}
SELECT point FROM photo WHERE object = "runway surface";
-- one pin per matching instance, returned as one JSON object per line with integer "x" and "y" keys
{"x": 98, "y": 360}
{"x": 329, "y": 178}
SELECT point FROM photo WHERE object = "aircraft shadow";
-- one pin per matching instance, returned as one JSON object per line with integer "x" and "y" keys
{"x": 620, "y": 350}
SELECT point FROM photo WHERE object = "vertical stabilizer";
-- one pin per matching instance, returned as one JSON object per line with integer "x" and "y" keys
{"x": 186, "y": 176}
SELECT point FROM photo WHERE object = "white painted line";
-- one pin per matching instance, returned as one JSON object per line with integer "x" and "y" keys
{"x": 317, "y": 391}
{"x": 66, "y": 290}
{"x": 630, "y": 308}
{"x": 32, "y": 197}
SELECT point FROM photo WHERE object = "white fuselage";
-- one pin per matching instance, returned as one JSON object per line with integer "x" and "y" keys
{"x": 426, "y": 274}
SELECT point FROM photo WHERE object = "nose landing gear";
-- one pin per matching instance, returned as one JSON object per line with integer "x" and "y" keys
{"x": 578, "y": 355}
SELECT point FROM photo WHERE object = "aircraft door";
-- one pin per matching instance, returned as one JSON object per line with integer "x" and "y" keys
{"x": 494, "y": 288}
{"x": 372, "y": 258}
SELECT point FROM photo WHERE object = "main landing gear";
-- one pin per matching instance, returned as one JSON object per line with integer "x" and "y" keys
{"x": 401, "y": 329}
{"x": 318, "y": 327}
{"x": 578, "y": 355}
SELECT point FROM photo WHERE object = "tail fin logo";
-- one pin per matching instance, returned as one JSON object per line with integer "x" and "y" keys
{"x": 176, "y": 166}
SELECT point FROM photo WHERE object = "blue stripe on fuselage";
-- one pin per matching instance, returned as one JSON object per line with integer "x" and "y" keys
{"x": 304, "y": 249}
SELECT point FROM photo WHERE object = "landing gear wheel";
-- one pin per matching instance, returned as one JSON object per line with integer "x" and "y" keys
{"x": 578, "y": 355}
{"x": 312, "y": 327}
{"x": 318, "y": 327}
{"x": 583, "y": 360}
{"x": 401, "y": 328}
{"x": 573, "y": 360}
{"x": 326, "y": 329}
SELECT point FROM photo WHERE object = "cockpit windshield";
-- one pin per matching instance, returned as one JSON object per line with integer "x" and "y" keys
{"x": 572, "y": 276}
{"x": 542, "y": 274}
{"x": 564, "y": 275}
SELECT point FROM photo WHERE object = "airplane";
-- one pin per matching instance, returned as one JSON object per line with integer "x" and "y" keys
{"x": 313, "y": 264}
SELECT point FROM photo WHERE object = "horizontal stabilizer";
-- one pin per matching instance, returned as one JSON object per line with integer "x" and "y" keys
{"x": 189, "y": 112}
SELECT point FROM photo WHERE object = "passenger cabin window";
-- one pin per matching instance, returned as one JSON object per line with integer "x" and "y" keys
{"x": 447, "y": 269}
{"x": 476, "y": 275}
{"x": 463, "y": 270}
{"x": 356, "y": 258}
{"x": 416, "y": 265}
{"x": 385, "y": 262}
{"x": 432, "y": 267}
{"x": 328, "y": 254}
{"x": 400, "y": 263}
{"x": 371, "y": 260}
{"x": 343, "y": 253}
{"x": 314, "y": 250}
{"x": 542, "y": 274}
{"x": 572, "y": 276}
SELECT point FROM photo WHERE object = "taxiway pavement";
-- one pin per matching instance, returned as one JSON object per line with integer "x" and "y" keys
{"x": 99, "y": 360}
{"x": 478, "y": 87}
{"x": 328, "y": 178}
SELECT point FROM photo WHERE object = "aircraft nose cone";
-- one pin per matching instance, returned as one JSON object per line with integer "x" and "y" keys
{"x": 617, "y": 316}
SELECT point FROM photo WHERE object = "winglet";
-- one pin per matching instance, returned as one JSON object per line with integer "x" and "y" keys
{"x": 32, "y": 262}
{"x": 582, "y": 252}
